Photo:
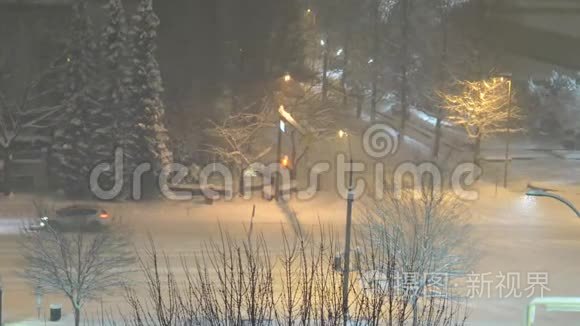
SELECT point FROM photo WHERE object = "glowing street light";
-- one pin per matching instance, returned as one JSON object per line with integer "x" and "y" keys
{"x": 287, "y": 78}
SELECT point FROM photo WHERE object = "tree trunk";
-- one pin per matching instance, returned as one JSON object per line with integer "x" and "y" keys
{"x": 359, "y": 106}
{"x": 375, "y": 58}
{"x": 293, "y": 173}
{"x": 77, "y": 313}
{"x": 442, "y": 75}
{"x": 293, "y": 158}
{"x": 415, "y": 312}
{"x": 437, "y": 135}
{"x": 344, "y": 79}
{"x": 477, "y": 149}
{"x": 404, "y": 68}
{"x": 346, "y": 52}
{"x": 241, "y": 186}
{"x": 374, "y": 99}
{"x": 325, "y": 74}
{"x": 7, "y": 171}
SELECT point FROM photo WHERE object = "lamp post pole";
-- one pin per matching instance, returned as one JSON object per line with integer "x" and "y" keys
{"x": 278, "y": 158}
{"x": 508, "y": 136}
{"x": 349, "y": 203}
{"x": 1, "y": 297}
{"x": 346, "y": 271}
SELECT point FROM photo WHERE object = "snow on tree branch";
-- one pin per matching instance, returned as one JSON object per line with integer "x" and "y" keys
{"x": 480, "y": 107}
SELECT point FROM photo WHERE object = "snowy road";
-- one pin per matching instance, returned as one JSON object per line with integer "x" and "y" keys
{"x": 517, "y": 234}
{"x": 10, "y": 226}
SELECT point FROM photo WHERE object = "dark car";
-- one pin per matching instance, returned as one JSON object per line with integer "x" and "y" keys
{"x": 78, "y": 217}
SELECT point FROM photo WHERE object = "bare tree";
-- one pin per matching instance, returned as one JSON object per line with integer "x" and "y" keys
{"x": 412, "y": 237}
{"x": 230, "y": 283}
{"x": 238, "y": 135}
{"x": 30, "y": 110}
{"x": 239, "y": 140}
{"x": 242, "y": 282}
{"x": 245, "y": 136}
{"x": 79, "y": 265}
{"x": 480, "y": 107}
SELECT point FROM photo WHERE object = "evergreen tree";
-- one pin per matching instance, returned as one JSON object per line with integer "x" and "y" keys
{"x": 146, "y": 89}
{"x": 115, "y": 120}
{"x": 288, "y": 37}
{"x": 72, "y": 146}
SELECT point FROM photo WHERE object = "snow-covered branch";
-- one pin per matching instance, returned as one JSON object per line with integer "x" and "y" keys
{"x": 481, "y": 107}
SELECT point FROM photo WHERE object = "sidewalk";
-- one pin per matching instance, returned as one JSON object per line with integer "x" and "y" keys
{"x": 66, "y": 320}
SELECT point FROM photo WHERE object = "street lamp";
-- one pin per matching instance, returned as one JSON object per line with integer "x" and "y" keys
{"x": 287, "y": 77}
{"x": 342, "y": 134}
{"x": 311, "y": 15}
{"x": 349, "y": 201}
{"x": 508, "y": 78}
{"x": 284, "y": 117}
{"x": 281, "y": 129}
{"x": 538, "y": 192}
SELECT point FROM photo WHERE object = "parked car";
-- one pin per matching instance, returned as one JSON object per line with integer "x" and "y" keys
{"x": 78, "y": 217}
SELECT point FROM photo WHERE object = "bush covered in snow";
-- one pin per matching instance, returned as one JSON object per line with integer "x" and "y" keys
{"x": 554, "y": 103}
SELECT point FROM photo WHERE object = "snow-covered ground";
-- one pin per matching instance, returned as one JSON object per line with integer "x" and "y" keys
{"x": 516, "y": 233}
